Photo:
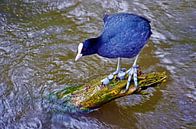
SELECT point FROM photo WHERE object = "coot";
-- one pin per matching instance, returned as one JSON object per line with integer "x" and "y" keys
{"x": 124, "y": 35}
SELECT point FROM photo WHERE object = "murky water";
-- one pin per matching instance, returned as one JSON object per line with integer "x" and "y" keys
{"x": 38, "y": 42}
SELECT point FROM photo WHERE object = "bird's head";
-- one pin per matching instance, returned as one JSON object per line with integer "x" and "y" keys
{"x": 88, "y": 47}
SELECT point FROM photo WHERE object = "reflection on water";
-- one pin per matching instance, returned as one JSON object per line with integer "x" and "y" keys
{"x": 38, "y": 41}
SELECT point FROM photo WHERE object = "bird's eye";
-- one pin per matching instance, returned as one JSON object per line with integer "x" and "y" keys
{"x": 84, "y": 49}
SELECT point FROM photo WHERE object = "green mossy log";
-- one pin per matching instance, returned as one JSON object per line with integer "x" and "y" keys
{"x": 93, "y": 95}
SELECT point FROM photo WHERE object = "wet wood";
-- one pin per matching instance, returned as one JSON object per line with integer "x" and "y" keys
{"x": 93, "y": 95}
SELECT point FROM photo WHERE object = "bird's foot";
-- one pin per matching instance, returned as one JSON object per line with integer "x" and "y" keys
{"x": 120, "y": 74}
{"x": 107, "y": 80}
{"x": 132, "y": 72}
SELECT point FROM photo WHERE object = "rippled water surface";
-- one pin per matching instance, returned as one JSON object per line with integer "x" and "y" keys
{"x": 38, "y": 42}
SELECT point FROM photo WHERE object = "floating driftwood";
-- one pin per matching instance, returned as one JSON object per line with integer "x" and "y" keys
{"x": 93, "y": 95}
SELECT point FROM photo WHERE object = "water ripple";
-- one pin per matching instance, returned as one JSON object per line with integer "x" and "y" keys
{"x": 38, "y": 43}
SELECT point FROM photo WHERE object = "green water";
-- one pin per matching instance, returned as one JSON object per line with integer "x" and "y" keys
{"x": 38, "y": 44}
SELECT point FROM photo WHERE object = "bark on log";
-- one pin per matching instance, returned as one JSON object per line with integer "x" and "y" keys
{"x": 93, "y": 95}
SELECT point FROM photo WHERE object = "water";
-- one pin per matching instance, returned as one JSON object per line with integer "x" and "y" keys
{"x": 38, "y": 43}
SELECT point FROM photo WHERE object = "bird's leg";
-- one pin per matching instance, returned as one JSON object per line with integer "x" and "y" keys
{"x": 132, "y": 71}
{"x": 118, "y": 72}
{"x": 107, "y": 80}
{"x": 118, "y": 67}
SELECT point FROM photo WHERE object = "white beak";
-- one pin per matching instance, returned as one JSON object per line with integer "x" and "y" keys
{"x": 79, "y": 55}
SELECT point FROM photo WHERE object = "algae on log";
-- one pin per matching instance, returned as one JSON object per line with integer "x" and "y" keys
{"x": 93, "y": 95}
